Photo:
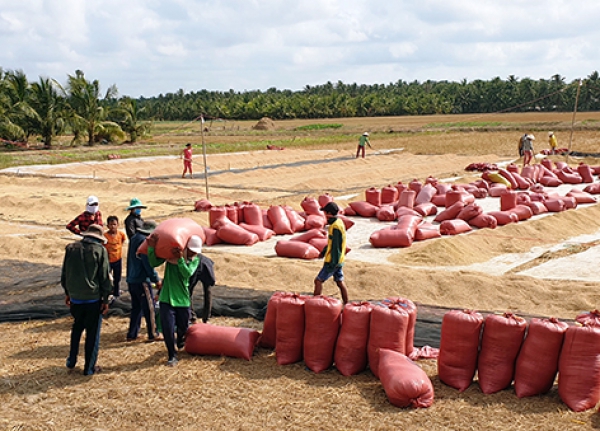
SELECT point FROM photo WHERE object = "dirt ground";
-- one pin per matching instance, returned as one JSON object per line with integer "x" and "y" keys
{"x": 37, "y": 202}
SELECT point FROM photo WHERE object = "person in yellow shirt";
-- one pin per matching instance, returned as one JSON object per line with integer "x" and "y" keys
{"x": 114, "y": 246}
{"x": 553, "y": 142}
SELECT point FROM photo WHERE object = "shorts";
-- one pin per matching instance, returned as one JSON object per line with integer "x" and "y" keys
{"x": 326, "y": 273}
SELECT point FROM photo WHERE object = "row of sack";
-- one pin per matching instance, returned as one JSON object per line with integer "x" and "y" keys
{"x": 506, "y": 348}
{"x": 322, "y": 333}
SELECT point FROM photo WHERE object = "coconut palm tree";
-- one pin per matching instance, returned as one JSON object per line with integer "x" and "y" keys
{"x": 130, "y": 112}
{"x": 89, "y": 109}
{"x": 49, "y": 107}
{"x": 15, "y": 112}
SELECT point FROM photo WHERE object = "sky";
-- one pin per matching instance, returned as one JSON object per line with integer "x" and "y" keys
{"x": 152, "y": 47}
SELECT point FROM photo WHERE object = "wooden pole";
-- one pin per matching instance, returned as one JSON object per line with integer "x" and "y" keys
{"x": 204, "y": 156}
{"x": 573, "y": 120}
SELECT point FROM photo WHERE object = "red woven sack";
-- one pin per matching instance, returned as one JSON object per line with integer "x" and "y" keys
{"x": 537, "y": 207}
{"x": 311, "y": 206}
{"x": 309, "y": 234}
{"x": 322, "y": 316}
{"x": 425, "y": 194}
{"x": 387, "y": 331}
{"x": 411, "y": 309}
{"x": 581, "y": 197}
{"x": 593, "y": 189}
{"x": 469, "y": 211}
{"x": 215, "y": 214}
{"x": 211, "y": 236}
{"x": 523, "y": 212}
{"x": 296, "y": 249}
{"x": 537, "y": 363}
{"x": 404, "y": 382}
{"x": 324, "y": 199}
{"x": 500, "y": 344}
{"x": 289, "y": 329}
{"x": 252, "y": 214}
{"x": 347, "y": 222}
{"x": 208, "y": 339}
{"x": 590, "y": 318}
{"x": 261, "y": 232}
{"x": 454, "y": 227}
{"x": 386, "y": 213}
{"x": 427, "y": 230}
{"x": 351, "y": 347}
{"x": 174, "y": 232}
{"x": 268, "y": 336}
{"x": 363, "y": 209}
{"x": 504, "y": 217}
{"x": 508, "y": 200}
{"x": 506, "y": 174}
{"x": 373, "y": 196}
{"x": 389, "y": 195}
{"x": 202, "y": 205}
{"x": 401, "y": 235}
{"x": 459, "y": 348}
{"x": 579, "y": 368}
{"x": 407, "y": 198}
{"x": 296, "y": 220}
{"x": 586, "y": 173}
{"x": 313, "y": 221}
{"x": 279, "y": 219}
{"x": 236, "y": 235}
{"x": 426, "y": 209}
{"x": 484, "y": 221}
{"x": 451, "y": 212}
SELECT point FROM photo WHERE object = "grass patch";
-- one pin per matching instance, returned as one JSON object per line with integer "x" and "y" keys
{"x": 309, "y": 127}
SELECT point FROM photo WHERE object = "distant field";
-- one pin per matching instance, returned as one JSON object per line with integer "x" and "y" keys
{"x": 431, "y": 134}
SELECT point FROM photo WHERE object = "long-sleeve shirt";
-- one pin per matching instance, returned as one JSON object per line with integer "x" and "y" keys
{"x": 176, "y": 279}
{"x": 139, "y": 269}
{"x": 85, "y": 269}
{"x": 132, "y": 223}
{"x": 335, "y": 251}
{"x": 83, "y": 221}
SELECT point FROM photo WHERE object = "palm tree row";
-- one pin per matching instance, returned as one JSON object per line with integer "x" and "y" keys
{"x": 399, "y": 98}
{"x": 47, "y": 109}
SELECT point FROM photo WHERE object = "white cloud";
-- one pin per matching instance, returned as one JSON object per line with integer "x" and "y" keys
{"x": 148, "y": 47}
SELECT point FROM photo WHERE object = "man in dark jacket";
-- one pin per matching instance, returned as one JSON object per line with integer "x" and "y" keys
{"x": 205, "y": 274}
{"x": 140, "y": 275}
{"x": 134, "y": 220}
{"x": 85, "y": 280}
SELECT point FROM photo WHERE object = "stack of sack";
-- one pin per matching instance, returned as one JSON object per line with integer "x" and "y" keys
{"x": 505, "y": 349}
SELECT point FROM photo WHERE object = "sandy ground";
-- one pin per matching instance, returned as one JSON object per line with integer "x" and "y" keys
{"x": 537, "y": 267}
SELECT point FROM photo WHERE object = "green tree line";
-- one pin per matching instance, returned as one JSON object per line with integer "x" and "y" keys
{"x": 47, "y": 109}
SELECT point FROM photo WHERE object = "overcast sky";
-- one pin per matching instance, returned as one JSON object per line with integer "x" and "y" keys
{"x": 148, "y": 47}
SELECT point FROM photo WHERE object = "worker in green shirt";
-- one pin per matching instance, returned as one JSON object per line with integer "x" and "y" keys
{"x": 174, "y": 296}
{"x": 364, "y": 140}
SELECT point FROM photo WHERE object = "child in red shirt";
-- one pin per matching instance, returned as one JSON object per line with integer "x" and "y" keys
{"x": 114, "y": 246}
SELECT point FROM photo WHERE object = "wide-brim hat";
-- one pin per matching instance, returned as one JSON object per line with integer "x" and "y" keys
{"x": 135, "y": 203}
{"x": 148, "y": 227}
{"x": 95, "y": 231}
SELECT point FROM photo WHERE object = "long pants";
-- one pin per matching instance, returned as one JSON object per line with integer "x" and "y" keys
{"x": 87, "y": 317}
{"x": 172, "y": 319}
{"x": 116, "y": 269}
{"x": 206, "y": 308}
{"x": 360, "y": 149}
{"x": 142, "y": 303}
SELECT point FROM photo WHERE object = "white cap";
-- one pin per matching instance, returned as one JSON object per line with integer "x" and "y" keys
{"x": 366, "y": 134}
{"x": 92, "y": 200}
{"x": 531, "y": 137}
{"x": 195, "y": 244}
{"x": 550, "y": 133}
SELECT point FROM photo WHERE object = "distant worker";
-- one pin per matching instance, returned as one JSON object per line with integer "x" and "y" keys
{"x": 334, "y": 253}
{"x": 187, "y": 155}
{"x": 553, "y": 142}
{"x": 85, "y": 280}
{"x": 521, "y": 143}
{"x": 363, "y": 140}
{"x": 90, "y": 216}
{"x": 528, "y": 149}
{"x": 134, "y": 220}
